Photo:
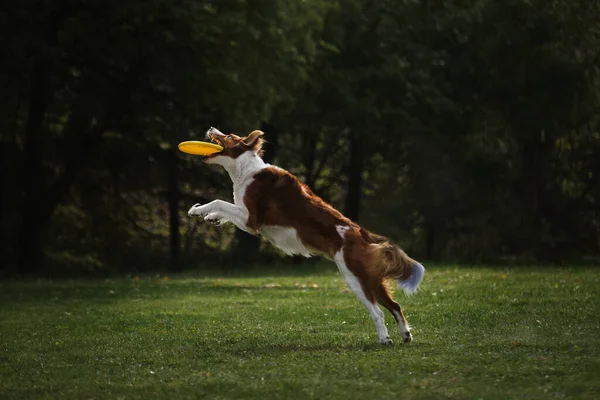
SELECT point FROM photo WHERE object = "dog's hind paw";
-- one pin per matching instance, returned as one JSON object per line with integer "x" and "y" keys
{"x": 386, "y": 340}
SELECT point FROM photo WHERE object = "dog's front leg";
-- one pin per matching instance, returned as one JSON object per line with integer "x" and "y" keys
{"x": 219, "y": 212}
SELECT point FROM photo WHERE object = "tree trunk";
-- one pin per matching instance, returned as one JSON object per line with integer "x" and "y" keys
{"x": 355, "y": 172}
{"x": 310, "y": 157}
{"x": 31, "y": 230}
{"x": 430, "y": 242}
{"x": 173, "y": 200}
{"x": 530, "y": 191}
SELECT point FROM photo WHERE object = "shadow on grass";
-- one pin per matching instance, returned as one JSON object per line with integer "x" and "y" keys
{"x": 99, "y": 292}
{"x": 252, "y": 351}
{"x": 157, "y": 287}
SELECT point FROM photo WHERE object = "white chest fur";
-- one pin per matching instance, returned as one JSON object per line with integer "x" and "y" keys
{"x": 286, "y": 239}
{"x": 241, "y": 171}
{"x": 239, "y": 190}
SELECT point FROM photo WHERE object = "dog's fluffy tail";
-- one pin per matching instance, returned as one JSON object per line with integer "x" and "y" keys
{"x": 396, "y": 264}
{"x": 411, "y": 284}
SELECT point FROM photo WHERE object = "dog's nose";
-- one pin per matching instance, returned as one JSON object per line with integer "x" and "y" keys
{"x": 214, "y": 131}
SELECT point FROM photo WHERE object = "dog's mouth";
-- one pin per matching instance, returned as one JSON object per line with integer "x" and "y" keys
{"x": 214, "y": 140}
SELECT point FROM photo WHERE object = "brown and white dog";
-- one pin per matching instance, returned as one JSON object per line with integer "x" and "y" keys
{"x": 272, "y": 202}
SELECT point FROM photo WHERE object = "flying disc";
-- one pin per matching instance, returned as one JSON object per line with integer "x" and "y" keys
{"x": 200, "y": 148}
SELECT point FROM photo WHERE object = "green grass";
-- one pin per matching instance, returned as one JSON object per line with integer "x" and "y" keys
{"x": 479, "y": 333}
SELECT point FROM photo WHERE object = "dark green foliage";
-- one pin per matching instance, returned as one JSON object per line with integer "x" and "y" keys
{"x": 462, "y": 130}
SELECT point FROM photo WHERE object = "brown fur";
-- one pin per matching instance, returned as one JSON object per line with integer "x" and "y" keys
{"x": 276, "y": 197}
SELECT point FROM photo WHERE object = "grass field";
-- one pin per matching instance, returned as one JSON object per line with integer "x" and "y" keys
{"x": 529, "y": 333}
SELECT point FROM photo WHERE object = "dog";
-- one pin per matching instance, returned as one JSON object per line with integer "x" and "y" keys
{"x": 271, "y": 202}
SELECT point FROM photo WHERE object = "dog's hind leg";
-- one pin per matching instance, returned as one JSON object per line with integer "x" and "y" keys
{"x": 383, "y": 297}
{"x": 366, "y": 298}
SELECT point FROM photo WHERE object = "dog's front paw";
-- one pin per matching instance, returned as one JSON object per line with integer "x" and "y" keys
{"x": 195, "y": 210}
{"x": 214, "y": 218}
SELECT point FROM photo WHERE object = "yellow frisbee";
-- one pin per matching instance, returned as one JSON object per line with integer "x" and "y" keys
{"x": 200, "y": 148}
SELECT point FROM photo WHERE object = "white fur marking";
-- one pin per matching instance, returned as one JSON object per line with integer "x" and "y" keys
{"x": 405, "y": 329}
{"x": 341, "y": 230}
{"x": 286, "y": 239}
{"x": 241, "y": 171}
{"x": 354, "y": 284}
{"x": 411, "y": 284}
{"x": 222, "y": 211}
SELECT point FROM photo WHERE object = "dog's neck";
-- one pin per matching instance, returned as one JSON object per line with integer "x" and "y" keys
{"x": 243, "y": 167}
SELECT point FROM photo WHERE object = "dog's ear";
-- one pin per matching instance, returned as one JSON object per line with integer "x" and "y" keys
{"x": 254, "y": 140}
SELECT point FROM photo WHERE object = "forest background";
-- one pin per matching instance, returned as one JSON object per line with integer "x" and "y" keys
{"x": 466, "y": 131}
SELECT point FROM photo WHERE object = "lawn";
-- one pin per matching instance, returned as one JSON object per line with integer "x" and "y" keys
{"x": 491, "y": 333}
